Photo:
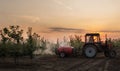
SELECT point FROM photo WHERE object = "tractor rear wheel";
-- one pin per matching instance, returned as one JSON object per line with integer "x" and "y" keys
{"x": 90, "y": 51}
{"x": 112, "y": 53}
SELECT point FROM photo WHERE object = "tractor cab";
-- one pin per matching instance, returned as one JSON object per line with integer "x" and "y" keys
{"x": 92, "y": 38}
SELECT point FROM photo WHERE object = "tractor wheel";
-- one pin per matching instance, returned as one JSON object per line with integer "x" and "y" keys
{"x": 112, "y": 53}
{"x": 62, "y": 54}
{"x": 90, "y": 51}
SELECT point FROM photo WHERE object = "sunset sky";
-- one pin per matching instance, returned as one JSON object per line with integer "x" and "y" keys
{"x": 58, "y": 18}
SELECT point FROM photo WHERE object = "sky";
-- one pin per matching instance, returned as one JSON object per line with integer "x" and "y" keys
{"x": 57, "y": 18}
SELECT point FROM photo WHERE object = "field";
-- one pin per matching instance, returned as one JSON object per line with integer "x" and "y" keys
{"x": 54, "y": 63}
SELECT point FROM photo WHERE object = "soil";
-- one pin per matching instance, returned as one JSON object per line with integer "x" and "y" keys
{"x": 54, "y": 63}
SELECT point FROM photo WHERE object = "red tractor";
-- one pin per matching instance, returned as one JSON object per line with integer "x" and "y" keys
{"x": 92, "y": 46}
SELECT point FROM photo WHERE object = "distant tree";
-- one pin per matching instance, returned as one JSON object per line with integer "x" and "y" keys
{"x": 30, "y": 46}
{"x": 76, "y": 41}
{"x": 3, "y": 34}
{"x": 35, "y": 42}
{"x": 55, "y": 46}
{"x": 12, "y": 43}
{"x": 4, "y": 39}
{"x": 11, "y": 34}
{"x": 116, "y": 42}
{"x": 43, "y": 43}
{"x": 15, "y": 33}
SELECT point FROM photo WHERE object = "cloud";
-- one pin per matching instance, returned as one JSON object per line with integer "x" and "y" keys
{"x": 68, "y": 30}
{"x": 30, "y": 18}
{"x": 110, "y": 31}
{"x": 62, "y": 4}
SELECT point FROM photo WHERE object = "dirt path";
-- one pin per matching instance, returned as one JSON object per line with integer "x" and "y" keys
{"x": 75, "y": 64}
{"x": 100, "y": 63}
{"x": 54, "y": 63}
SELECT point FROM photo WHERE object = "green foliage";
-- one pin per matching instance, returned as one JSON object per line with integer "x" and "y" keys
{"x": 12, "y": 44}
{"x": 35, "y": 42}
{"x": 54, "y": 47}
{"x": 15, "y": 33}
{"x": 76, "y": 41}
{"x": 116, "y": 42}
